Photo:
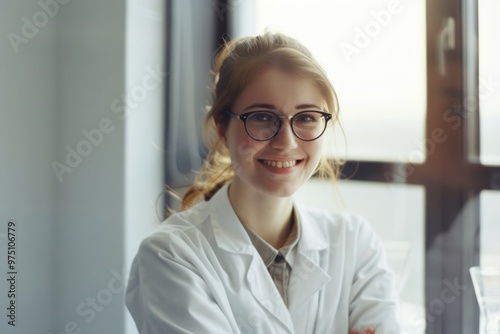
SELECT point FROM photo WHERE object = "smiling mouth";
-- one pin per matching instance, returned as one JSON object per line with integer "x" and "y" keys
{"x": 280, "y": 164}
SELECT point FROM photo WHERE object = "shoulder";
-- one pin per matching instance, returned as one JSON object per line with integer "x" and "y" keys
{"x": 179, "y": 229}
{"x": 335, "y": 223}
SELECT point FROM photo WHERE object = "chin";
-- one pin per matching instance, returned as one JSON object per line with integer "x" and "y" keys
{"x": 282, "y": 191}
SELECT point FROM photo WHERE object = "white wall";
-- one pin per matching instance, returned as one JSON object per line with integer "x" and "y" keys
{"x": 79, "y": 228}
{"x": 90, "y": 61}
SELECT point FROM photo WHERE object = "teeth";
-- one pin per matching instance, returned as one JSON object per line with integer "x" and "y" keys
{"x": 280, "y": 164}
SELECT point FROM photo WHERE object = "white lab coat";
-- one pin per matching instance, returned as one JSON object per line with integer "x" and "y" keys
{"x": 199, "y": 273}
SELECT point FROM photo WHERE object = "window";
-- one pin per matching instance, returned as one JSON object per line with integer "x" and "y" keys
{"x": 348, "y": 38}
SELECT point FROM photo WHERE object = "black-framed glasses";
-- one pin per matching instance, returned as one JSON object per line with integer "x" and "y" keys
{"x": 264, "y": 125}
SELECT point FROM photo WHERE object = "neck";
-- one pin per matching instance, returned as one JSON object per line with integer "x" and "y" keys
{"x": 271, "y": 218}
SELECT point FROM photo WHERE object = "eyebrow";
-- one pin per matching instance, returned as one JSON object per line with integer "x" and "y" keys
{"x": 270, "y": 106}
{"x": 260, "y": 105}
{"x": 307, "y": 106}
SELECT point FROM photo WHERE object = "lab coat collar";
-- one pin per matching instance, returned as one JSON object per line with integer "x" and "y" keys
{"x": 229, "y": 236}
{"x": 312, "y": 237}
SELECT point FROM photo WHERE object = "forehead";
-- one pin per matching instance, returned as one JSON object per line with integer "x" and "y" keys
{"x": 279, "y": 88}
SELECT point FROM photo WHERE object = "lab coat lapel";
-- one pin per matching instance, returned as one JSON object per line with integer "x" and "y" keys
{"x": 307, "y": 276}
{"x": 266, "y": 293}
{"x": 306, "y": 279}
{"x": 231, "y": 237}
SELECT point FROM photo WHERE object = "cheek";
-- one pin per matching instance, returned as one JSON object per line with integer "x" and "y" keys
{"x": 315, "y": 150}
{"x": 242, "y": 148}
{"x": 245, "y": 149}
{"x": 242, "y": 154}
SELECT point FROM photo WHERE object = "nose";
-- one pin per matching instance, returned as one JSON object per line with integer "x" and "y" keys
{"x": 285, "y": 138}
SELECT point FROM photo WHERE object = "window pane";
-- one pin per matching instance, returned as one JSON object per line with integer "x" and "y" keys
{"x": 489, "y": 81}
{"x": 375, "y": 54}
{"x": 396, "y": 212}
{"x": 490, "y": 228}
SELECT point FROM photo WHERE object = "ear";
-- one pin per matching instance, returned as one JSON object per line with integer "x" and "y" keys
{"x": 221, "y": 132}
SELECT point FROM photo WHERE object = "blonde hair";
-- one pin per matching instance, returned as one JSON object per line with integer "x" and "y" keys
{"x": 236, "y": 64}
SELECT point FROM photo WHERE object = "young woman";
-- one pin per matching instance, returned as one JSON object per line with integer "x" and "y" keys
{"x": 242, "y": 256}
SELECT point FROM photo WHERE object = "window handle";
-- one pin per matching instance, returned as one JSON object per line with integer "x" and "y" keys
{"x": 446, "y": 42}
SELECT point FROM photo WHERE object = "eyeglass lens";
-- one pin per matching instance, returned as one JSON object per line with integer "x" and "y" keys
{"x": 307, "y": 125}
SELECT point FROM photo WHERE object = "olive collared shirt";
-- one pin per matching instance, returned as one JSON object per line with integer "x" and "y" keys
{"x": 279, "y": 262}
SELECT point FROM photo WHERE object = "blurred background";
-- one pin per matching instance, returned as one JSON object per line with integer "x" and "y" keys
{"x": 101, "y": 106}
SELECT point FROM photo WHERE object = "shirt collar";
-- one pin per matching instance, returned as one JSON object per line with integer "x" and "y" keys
{"x": 268, "y": 253}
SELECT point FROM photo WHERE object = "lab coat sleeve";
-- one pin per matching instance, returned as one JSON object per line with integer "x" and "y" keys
{"x": 373, "y": 298}
{"x": 166, "y": 293}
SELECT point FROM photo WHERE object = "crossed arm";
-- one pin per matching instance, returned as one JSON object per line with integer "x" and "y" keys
{"x": 368, "y": 331}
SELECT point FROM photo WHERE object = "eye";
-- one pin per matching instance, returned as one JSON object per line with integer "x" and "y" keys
{"x": 262, "y": 116}
{"x": 308, "y": 117}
